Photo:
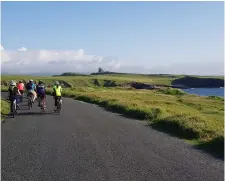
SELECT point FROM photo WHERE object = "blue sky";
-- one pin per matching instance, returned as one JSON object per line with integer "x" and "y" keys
{"x": 159, "y": 37}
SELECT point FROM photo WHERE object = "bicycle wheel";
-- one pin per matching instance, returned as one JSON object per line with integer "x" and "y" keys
{"x": 14, "y": 108}
{"x": 59, "y": 105}
{"x": 42, "y": 106}
{"x": 21, "y": 98}
{"x": 29, "y": 102}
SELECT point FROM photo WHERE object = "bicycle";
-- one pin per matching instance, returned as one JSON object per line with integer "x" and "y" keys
{"x": 30, "y": 98}
{"x": 42, "y": 103}
{"x": 59, "y": 104}
{"x": 14, "y": 108}
{"x": 21, "y": 96}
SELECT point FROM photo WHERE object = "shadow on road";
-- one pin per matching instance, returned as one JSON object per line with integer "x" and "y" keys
{"x": 19, "y": 114}
{"x": 35, "y": 113}
{"x": 23, "y": 105}
{"x": 215, "y": 147}
{"x": 120, "y": 113}
{"x": 209, "y": 147}
{"x": 23, "y": 108}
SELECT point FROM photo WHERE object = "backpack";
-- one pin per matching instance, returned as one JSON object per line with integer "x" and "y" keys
{"x": 29, "y": 86}
{"x": 13, "y": 90}
{"x": 41, "y": 89}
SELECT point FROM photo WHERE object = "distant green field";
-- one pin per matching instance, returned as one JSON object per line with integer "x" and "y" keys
{"x": 87, "y": 80}
{"x": 187, "y": 116}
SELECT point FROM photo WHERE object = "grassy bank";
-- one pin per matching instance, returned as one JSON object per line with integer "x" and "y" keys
{"x": 5, "y": 109}
{"x": 186, "y": 116}
{"x": 191, "y": 117}
{"x": 96, "y": 80}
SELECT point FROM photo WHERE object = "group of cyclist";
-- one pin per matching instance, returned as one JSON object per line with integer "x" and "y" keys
{"x": 36, "y": 91}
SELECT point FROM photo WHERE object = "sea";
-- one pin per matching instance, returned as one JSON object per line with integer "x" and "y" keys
{"x": 206, "y": 91}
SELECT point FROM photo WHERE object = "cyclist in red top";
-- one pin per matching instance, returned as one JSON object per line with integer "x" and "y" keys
{"x": 21, "y": 88}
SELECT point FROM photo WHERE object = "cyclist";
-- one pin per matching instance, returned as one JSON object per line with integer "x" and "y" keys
{"x": 14, "y": 93}
{"x": 20, "y": 86}
{"x": 57, "y": 93}
{"x": 41, "y": 92}
{"x": 31, "y": 89}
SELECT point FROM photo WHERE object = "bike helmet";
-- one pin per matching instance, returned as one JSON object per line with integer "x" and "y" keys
{"x": 57, "y": 82}
{"x": 12, "y": 83}
{"x": 40, "y": 82}
{"x": 31, "y": 80}
{"x": 20, "y": 81}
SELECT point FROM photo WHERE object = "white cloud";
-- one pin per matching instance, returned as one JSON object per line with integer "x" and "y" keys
{"x": 54, "y": 61}
{"x": 22, "y": 49}
{"x": 1, "y": 48}
{"x": 29, "y": 61}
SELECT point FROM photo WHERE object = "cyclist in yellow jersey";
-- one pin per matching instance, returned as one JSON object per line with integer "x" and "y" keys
{"x": 57, "y": 92}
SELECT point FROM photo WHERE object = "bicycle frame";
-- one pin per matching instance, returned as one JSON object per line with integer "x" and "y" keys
{"x": 42, "y": 102}
{"x": 14, "y": 107}
{"x": 59, "y": 104}
{"x": 29, "y": 101}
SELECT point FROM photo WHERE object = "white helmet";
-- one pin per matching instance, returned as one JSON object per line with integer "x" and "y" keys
{"x": 57, "y": 82}
{"x": 12, "y": 83}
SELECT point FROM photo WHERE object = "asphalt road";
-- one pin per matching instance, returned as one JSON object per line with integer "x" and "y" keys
{"x": 87, "y": 143}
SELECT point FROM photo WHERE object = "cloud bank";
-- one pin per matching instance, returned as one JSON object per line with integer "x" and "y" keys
{"x": 25, "y": 61}
{"x": 34, "y": 61}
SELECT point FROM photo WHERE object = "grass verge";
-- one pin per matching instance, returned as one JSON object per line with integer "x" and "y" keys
{"x": 186, "y": 116}
{"x": 5, "y": 109}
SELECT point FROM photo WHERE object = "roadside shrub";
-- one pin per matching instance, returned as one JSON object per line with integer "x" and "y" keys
{"x": 216, "y": 97}
{"x": 171, "y": 91}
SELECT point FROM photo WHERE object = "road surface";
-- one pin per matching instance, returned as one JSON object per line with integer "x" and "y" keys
{"x": 87, "y": 143}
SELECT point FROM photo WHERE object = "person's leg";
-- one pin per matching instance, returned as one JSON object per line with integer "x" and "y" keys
{"x": 21, "y": 97}
{"x": 30, "y": 94}
{"x": 11, "y": 103}
{"x": 56, "y": 97}
{"x": 60, "y": 97}
{"x": 39, "y": 100}
{"x": 34, "y": 96}
{"x": 22, "y": 92}
{"x": 17, "y": 97}
{"x": 56, "y": 102}
{"x": 43, "y": 99}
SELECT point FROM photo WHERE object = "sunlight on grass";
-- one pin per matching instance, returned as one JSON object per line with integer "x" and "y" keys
{"x": 5, "y": 108}
{"x": 171, "y": 110}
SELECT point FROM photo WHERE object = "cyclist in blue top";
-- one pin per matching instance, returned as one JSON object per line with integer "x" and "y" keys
{"x": 41, "y": 92}
{"x": 31, "y": 89}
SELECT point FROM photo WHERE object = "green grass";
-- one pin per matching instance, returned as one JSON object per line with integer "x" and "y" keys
{"x": 5, "y": 109}
{"x": 171, "y": 91}
{"x": 199, "y": 119}
{"x": 87, "y": 81}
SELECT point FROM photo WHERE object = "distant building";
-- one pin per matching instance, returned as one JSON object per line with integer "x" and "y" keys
{"x": 100, "y": 70}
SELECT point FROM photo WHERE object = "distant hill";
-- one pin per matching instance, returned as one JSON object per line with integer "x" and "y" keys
{"x": 70, "y": 74}
{"x": 119, "y": 73}
{"x": 198, "y": 82}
